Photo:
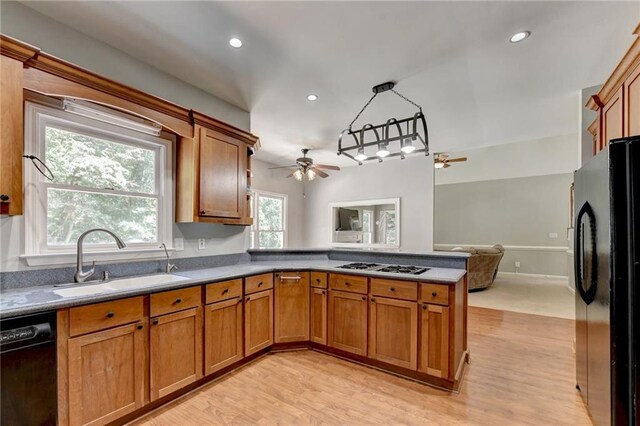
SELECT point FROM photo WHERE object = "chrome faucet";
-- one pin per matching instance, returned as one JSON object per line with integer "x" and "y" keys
{"x": 80, "y": 275}
{"x": 170, "y": 266}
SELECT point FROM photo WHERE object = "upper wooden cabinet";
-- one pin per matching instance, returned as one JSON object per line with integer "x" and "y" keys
{"x": 618, "y": 101}
{"x": 213, "y": 172}
{"x": 11, "y": 136}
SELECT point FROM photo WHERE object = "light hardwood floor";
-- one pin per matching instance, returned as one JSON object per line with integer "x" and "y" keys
{"x": 521, "y": 373}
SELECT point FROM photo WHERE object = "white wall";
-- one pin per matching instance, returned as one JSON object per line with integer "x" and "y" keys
{"x": 411, "y": 180}
{"x": 548, "y": 156}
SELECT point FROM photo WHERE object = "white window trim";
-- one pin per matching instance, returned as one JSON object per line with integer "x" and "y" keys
{"x": 36, "y": 252}
{"x": 256, "y": 220}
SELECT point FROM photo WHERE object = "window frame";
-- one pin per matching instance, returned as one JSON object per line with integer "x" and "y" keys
{"x": 37, "y": 250}
{"x": 255, "y": 232}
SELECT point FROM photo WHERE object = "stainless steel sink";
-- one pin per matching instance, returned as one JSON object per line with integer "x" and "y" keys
{"x": 118, "y": 285}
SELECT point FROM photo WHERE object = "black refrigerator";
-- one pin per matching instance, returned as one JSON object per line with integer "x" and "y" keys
{"x": 607, "y": 248}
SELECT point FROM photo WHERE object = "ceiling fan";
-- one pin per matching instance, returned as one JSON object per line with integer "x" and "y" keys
{"x": 306, "y": 169}
{"x": 442, "y": 160}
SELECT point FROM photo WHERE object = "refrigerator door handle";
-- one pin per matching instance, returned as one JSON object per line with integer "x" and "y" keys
{"x": 588, "y": 295}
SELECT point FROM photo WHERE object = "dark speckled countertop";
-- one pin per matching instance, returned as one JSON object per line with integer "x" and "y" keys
{"x": 26, "y": 300}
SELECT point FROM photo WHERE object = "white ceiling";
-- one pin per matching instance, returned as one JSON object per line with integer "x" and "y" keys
{"x": 453, "y": 58}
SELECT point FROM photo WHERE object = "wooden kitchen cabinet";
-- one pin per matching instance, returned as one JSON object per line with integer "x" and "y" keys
{"x": 434, "y": 340}
{"x": 291, "y": 307}
{"x": 176, "y": 351}
{"x": 213, "y": 172}
{"x": 11, "y": 136}
{"x": 319, "y": 315}
{"x": 618, "y": 101}
{"x": 258, "y": 321}
{"x": 107, "y": 374}
{"x": 348, "y": 322}
{"x": 393, "y": 331}
{"x": 613, "y": 118}
{"x": 223, "y": 338}
{"x": 632, "y": 101}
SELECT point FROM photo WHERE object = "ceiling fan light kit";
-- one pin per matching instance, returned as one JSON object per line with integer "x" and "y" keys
{"x": 306, "y": 169}
{"x": 387, "y": 133}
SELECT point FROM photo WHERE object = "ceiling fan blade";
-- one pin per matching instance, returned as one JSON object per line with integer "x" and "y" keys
{"x": 446, "y": 165}
{"x": 319, "y": 172}
{"x": 283, "y": 167}
{"x": 326, "y": 167}
{"x": 457, "y": 160}
{"x": 289, "y": 175}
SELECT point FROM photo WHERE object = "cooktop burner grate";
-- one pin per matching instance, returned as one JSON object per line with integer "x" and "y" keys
{"x": 394, "y": 269}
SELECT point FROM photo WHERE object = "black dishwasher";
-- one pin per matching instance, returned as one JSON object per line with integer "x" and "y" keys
{"x": 28, "y": 370}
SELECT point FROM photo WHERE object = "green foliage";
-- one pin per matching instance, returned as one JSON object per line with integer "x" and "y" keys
{"x": 89, "y": 162}
{"x": 270, "y": 222}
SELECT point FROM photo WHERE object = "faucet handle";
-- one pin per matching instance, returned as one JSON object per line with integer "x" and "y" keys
{"x": 105, "y": 275}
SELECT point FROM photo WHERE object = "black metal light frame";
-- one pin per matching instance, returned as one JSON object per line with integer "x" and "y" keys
{"x": 414, "y": 125}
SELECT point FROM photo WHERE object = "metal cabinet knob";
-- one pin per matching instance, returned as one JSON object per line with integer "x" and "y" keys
{"x": 364, "y": 297}
{"x": 178, "y": 300}
{"x": 392, "y": 289}
{"x": 4, "y": 198}
{"x": 155, "y": 321}
{"x": 372, "y": 300}
{"x": 434, "y": 294}
{"x": 140, "y": 327}
{"x": 203, "y": 212}
{"x": 424, "y": 307}
{"x": 110, "y": 314}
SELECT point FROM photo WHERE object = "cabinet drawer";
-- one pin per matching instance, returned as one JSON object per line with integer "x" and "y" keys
{"x": 352, "y": 283}
{"x": 319, "y": 279}
{"x": 435, "y": 293}
{"x": 99, "y": 316}
{"x": 175, "y": 300}
{"x": 224, "y": 290}
{"x": 258, "y": 283}
{"x": 406, "y": 290}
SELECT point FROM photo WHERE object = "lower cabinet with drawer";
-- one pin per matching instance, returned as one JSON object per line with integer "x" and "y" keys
{"x": 92, "y": 340}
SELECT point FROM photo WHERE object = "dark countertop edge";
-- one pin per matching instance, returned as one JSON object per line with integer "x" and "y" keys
{"x": 188, "y": 282}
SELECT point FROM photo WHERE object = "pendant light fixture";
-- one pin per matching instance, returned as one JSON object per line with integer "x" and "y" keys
{"x": 388, "y": 137}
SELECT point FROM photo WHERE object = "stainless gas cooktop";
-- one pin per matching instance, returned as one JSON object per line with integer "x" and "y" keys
{"x": 394, "y": 269}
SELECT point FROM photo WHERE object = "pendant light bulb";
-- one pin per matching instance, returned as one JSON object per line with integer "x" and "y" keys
{"x": 382, "y": 150}
{"x": 407, "y": 146}
{"x": 438, "y": 165}
{"x": 297, "y": 175}
{"x": 360, "y": 156}
{"x": 311, "y": 175}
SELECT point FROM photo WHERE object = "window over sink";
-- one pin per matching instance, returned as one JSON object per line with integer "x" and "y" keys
{"x": 105, "y": 176}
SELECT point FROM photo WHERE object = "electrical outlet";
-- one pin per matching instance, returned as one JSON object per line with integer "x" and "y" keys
{"x": 178, "y": 244}
{"x": 202, "y": 244}
{"x": 517, "y": 264}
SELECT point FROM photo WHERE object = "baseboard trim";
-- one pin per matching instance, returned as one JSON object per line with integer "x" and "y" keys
{"x": 507, "y": 248}
{"x": 518, "y": 274}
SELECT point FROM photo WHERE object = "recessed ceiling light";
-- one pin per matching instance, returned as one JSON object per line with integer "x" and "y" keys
{"x": 235, "y": 42}
{"x": 518, "y": 37}
{"x": 312, "y": 97}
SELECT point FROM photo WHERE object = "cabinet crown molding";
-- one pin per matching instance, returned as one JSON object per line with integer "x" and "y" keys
{"x": 16, "y": 49}
{"x": 227, "y": 129}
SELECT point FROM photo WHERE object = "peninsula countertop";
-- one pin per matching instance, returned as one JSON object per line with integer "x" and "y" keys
{"x": 21, "y": 301}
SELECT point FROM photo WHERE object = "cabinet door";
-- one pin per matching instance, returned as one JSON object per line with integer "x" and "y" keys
{"x": 223, "y": 175}
{"x": 258, "y": 321}
{"x": 612, "y": 119}
{"x": 434, "y": 340}
{"x": 348, "y": 322}
{"x": 393, "y": 332}
{"x": 107, "y": 374}
{"x": 291, "y": 307}
{"x": 319, "y": 315}
{"x": 11, "y": 136}
{"x": 176, "y": 351}
{"x": 222, "y": 334}
{"x": 632, "y": 103}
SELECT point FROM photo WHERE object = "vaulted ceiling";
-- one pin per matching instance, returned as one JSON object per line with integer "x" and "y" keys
{"x": 453, "y": 58}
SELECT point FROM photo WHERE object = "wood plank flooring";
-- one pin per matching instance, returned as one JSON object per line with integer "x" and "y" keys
{"x": 522, "y": 372}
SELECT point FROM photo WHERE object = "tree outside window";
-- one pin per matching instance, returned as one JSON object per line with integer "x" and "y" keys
{"x": 269, "y": 224}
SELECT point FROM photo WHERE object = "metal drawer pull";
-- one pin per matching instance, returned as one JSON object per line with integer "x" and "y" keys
{"x": 178, "y": 300}
{"x": 225, "y": 291}
{"x": 392, "y": 289}
{"x": 110, "y": 314}
{"x": 434, "y": 294}
{"x": 260, "y": 284}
